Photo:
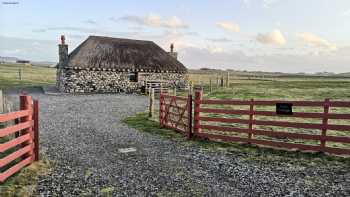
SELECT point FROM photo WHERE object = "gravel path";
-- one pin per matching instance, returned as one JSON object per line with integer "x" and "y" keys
{"x": 83, "y": 135}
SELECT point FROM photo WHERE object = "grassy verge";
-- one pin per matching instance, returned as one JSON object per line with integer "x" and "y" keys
{"x": 24, "y": 182}
{"x": 249, "y": 153}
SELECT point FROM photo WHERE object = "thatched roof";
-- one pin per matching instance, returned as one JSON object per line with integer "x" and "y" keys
{"x": 122, "y": 54}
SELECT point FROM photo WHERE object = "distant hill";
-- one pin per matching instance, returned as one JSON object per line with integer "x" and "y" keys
{"x": 8, "y": 59}
{"x": 37, "y": 63}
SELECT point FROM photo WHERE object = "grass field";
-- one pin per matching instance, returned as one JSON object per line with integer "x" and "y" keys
{"x": 31, "y": 76}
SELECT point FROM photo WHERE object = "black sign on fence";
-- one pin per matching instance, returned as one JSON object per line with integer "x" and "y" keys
{"x": 284, "y": 108}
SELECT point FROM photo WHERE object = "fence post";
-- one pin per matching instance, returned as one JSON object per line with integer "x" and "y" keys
{"x": 174, "y": 91}
{"x": 161, "y": 109}
{"x": 251, "y": 118}
{"x": 2, "y": 103}
{"x": 26, "y": 104}
{"x": 324, "y": 123}
{"x": 197, "y": 105}
{"x": 36, "y": 130}
{"x": 151, "y": 103}
{"x": 222, "y": 81}
{"x": 210, "y": 86}
{"x": 20, "y": 74}
{"x": 189, "y": 114}
{"x": 228, "y": 79}
{"x": 217, "y": 81}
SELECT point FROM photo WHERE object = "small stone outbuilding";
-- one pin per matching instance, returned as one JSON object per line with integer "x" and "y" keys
{"x": 105, "y": 65}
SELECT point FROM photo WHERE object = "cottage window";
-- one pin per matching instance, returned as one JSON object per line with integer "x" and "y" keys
{"x": 133, "y": 76}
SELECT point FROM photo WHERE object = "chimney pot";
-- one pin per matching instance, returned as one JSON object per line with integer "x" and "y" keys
{"x": 63, "y": 39}
{"x": 172, "y": 47}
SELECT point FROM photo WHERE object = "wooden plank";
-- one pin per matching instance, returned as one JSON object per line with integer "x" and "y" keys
{"x": 15, "y": 168}
{"x": 338, "y": 127}
{"x": 14, "y": 142}
{"x": 338, "y": 151}
{"x": 223, "y": 102}
{"x": 273, "y": 113}
{"x": 36, "y": 130}
{"x": 288, "y": 124}
{"x": 11, "y": 157}
{"x": 224, "y": 111}
{"x": 13, "y": 115}
{"x": 269, "y": 103}
{"x": 339, "y": 104}
{"x": 278, "y": 134}
{"x": 295, "y": 103}
{"x": 226, "y": 120}
{"x": 15, "y": 128}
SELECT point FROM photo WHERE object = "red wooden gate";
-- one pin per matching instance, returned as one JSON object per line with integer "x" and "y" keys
{"x": 19, "y": 143}
{"x": 176, "y": 113}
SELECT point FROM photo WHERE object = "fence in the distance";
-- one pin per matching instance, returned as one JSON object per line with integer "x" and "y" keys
{"x": 19, "y": 142}
{"x": 283, "y": 127}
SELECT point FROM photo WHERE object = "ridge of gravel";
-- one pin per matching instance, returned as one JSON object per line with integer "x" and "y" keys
{"x": 82, "y": 134}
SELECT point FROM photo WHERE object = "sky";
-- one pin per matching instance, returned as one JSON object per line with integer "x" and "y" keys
{"x": 256, "y": 35}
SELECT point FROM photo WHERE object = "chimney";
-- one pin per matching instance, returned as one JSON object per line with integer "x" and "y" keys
{"x": 62, "y": 51}
{"x": 171, "y": 47}
{"x": 172, "y": 53}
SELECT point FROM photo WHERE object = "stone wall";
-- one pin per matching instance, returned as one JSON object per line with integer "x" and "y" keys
{"x": 89, "y": 81}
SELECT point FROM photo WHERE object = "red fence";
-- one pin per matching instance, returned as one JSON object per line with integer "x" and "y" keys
{"x": 221, "y": 120}
{"x": 19, "y": 142}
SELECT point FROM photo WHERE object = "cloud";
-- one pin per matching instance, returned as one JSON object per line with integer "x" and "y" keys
{"x": 194, "y": 57}
{"x": 269, "y": 3}
{"x": 90, "y": 21}
{"x": 39, "y": 30}
{"x": 272, "y": 38}
{"x": 229, "y": 26}
{"x": 314, "y": 40}
{"x": 219, "y": 40}
{"x": 153, "y": 20}
{"x": 346, "y": 12}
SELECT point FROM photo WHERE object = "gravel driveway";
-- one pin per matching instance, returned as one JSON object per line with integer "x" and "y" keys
{"x": 83, "y": 134}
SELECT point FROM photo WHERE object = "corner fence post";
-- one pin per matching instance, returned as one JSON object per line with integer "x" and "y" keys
{"x": 197, "y": 105}
{"x": 36, "y": 130}
{"x": 26, "y": 103}
{"x": 251, "y": 118}
{"x": 324, "y": 123}
{"x": 189, "y": 114}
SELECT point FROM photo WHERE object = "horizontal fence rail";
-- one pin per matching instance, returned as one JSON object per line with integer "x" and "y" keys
{"x": 19, "y": 145}
{"x": 321, "y": 126}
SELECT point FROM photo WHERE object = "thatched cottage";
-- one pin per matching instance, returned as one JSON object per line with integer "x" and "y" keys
{"x": 104, "y": 64}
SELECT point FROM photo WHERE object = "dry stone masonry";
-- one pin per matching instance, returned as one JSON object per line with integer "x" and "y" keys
{"x": 104, "y": 65}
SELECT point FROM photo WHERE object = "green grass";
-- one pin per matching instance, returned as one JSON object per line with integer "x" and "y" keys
{"x": 31, "y": 76}
{"x": 24, "y": 182}
{"x": 248, "y": 153}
